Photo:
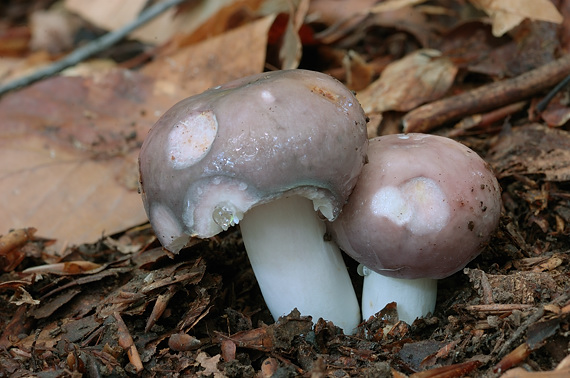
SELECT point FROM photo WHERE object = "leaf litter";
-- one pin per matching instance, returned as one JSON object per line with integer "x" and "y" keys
{"x": 85, "y": 288}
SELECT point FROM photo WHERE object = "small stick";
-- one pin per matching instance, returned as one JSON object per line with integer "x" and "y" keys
{"x": 126, "y": 342}
{"x": 91, "y": 48}
{"x": 486, "y": 97}
{"x": 544, "y": 102}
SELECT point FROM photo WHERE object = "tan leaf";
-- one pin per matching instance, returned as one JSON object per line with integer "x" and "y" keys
{"x": 106, "y": 14}
{"x": 210, "y": 365}
{"x": 391, "y": 5}
{"x": 197, "y": 67}
{"x": 23, "y": 297}
{"x": 69, "y": 145}
{"x": 68, "y": 153}
{"x": 507, "y": 14}
{"x": 185, "y": 19}
{"x": 420, "y": 77}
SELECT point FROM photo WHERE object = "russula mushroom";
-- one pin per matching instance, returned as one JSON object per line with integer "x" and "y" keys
{"x": 273, "y": 152}
{"x": 423, "y": 207}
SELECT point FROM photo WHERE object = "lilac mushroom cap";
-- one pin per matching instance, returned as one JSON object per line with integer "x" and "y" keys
{"x": 214, "y": 157}
{"x": 423, "y": 208}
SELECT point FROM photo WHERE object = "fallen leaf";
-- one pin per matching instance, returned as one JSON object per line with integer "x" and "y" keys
{"x": 532, "y": 149}
{"x": 106, "y": 14}
{"x": 507, "y": 14}
{"x": 22, "y": 297}
{"x": 69, "y": 268}
{"x": 49, "y": 307}
{"x": 195, "y": 68}
{"x": 52, "y": 30}
{"x": 196, "y": 20}
{"x": 11, "y": 254}
{"x": 210, "y": 365}
{"x": 69, "y": 145}
{"x": 54, "y": 171}
{"x": 392, "y": 5}
{"x": 418, "y": 78}
{"x": 291, "y": 47}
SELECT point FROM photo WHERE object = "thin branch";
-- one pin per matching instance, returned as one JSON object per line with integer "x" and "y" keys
{"x": 486, "y": 97}
{"x": 91, "y": 48}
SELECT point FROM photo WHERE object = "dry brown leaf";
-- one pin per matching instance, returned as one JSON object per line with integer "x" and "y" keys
{"x": 330, "y": 12}
{"x": 68, "y": 196}
{"x": 106, "y": 14}
{"x": 52, "y": 30}
{"x": 291, "y": 47}
{"x": 68, "y": 150}
{"x": 68, "y": 268}
{"x": 111, "y": 15}
{"x": 21, "y": 297}
{"x": 420, "y": 77}
{"x": 391, "y": 5}
{"x": 210, "y": 365}
{"x": 69, "y": 145}
{"x": 195, "y": 68}
{"x": 507, "y": 14}
{"x": 184, "y": 20}
{"x": 532, "y": 149}
{"x": 187, "y": 19}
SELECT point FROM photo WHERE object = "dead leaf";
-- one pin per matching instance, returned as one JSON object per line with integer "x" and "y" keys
{"x": 69, "y": 268}
{"x": 68, "y": 156}
{"x": 330, "y": 12}
{"x": 193, "y": 69}
{"x": 11, "y": 254}
{"x": 507, "y": 14}
{"x": 195, "y": 21}
{"x": 106, "y": 14}
{"x": 291, "y": 46}
{"x": 22, "y": 297}
{"x": 69, "y": 146}
{"x": 210, "y": 365}
{"x": 392, "y": 5}
{"x": 52, "y": 30}
{"x": 14, "y": 41}
{"x": 418, "y": 78}
{"x": 532, "y": 149}
{"x": 49, "y": 307}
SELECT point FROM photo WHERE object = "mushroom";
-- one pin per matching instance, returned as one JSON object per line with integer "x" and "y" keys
{"x": 276, "y": 153}
{"x": 423, "y": 207}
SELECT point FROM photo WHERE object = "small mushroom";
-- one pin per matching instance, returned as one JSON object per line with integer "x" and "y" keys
{"x": 273, "y": 152}
{"x": 422, "y": 208}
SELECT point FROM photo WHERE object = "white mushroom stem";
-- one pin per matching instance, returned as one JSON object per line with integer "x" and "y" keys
{"x": 415, "y": 298}
{"x": 295, "y": 267}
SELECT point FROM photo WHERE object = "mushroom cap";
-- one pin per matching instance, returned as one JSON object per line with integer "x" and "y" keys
{"x": 424, "y": 207}
{"x": 213, "y": 156}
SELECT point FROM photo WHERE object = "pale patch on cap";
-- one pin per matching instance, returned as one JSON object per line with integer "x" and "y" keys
{"x": 419, "y": 204}
{"x": 191, "y": 139}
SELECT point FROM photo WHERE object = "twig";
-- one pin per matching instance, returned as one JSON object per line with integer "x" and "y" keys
{"x": 486, "y": 97}
{"x": 533, "y": 318}
{"x": 544, "y": 102}
{"x": 538, "y": 313}
{"x": 91, "y": 48}
{"x": 126, "y": 342}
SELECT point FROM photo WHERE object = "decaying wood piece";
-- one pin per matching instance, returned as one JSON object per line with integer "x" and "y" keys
{"x": 126, "y": 342}
{"x": 486, "y": 97}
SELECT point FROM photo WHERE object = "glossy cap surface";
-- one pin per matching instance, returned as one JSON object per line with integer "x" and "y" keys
{"x": 213, "y": 156}
{"x": 424, "y": 207}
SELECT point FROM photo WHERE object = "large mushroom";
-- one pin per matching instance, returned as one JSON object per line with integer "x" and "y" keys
{"x": 422, "y": 208}
{"x": 274, "y": 152}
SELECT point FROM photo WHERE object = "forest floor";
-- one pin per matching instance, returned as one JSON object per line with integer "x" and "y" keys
{"x": 75, "y": 303}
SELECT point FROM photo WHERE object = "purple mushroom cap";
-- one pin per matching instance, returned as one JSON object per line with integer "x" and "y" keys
{"x": 213, "y": 156}
{"x": 423, "y": 207}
